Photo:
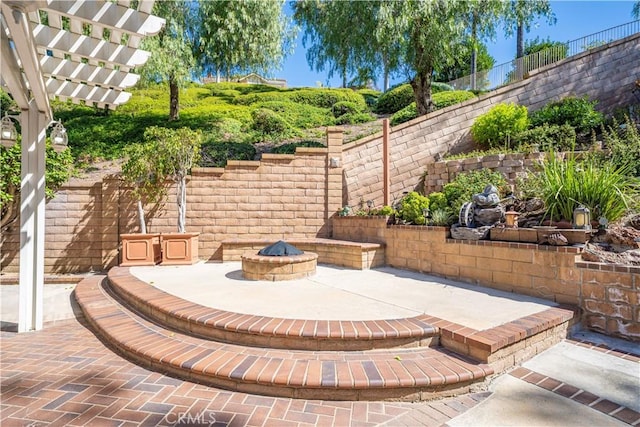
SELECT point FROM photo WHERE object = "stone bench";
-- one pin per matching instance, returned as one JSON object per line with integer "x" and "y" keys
{"x": 359, "y": 256}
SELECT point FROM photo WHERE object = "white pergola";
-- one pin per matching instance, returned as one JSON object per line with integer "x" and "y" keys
{"x": 84, "y": 53}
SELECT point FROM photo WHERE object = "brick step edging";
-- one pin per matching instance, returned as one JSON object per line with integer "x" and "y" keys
{"x": 420, "y": 373}
{"x": 262, "y": 331}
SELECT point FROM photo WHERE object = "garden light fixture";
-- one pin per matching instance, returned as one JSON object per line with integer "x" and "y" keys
{"x": 8, "y": 133}
{"x": 426, "y": 214}
{"x": 369, "y": 204}
{"x": 582, "y": 218}
{"x": 59, "y": 137}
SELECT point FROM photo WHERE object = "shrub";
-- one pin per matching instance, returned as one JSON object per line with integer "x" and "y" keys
{"x": 499, "y": 125}
{"x": 383, "y": 211}
{"x": 270, "y": 124}
{"x": 606, "y": 189}
{"x": 353, "y": 118}
{"x": 548, "y": 137}
{"x": 216, "y": 154}
{"x": 437, "y": 200}
{"x": 395, "y": 99}
{"x": 466, "y": 184}
{"x": 345, "y": 107}
{"x": 442, "y": 217}
{"x": 623, "y": 141}
{"x": 441, "y": 100}
{"x": 370, "y": 97}
{"x": 290, "y": 148}
{"x": 411, "y": 207}
{"x": 300, "y": 116}
{"x": 577, "y": 112}
{"x": 321, "y": 98}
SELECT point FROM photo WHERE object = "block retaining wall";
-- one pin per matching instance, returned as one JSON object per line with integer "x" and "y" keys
{"x": 607, "y": 294}
{"x": 606, "y": 74}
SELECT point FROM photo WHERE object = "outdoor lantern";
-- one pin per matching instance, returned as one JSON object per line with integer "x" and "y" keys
{"x": 59, "y": 137}
{"x": 8, "y": 133}
{"x": 511, "y": 219}
{"x": 582, "y": 218}
{"x": 369, "y": 204}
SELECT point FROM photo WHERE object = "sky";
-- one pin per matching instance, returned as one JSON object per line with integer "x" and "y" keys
{"x": 575, "y": 19}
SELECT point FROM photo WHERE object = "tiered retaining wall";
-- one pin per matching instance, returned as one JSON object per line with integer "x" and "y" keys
{"x": 283, "y": 196}
{"x": 607, "y": 294}
{"x": 606, "y": 74}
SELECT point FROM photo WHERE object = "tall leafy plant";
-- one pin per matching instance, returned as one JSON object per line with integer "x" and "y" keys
{"x": 166, "y": 155}
{"x": 606, "y": 189}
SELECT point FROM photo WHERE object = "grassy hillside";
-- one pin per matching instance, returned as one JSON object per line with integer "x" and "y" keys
{"x": 237, "y": 115}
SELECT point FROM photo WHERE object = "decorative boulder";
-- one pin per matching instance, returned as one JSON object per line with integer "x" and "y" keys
{"x": 468, "y": 233}
{"x": 488, "y": 216}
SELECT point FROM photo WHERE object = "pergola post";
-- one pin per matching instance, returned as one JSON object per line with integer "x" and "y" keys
{"x": 32, "y": 211}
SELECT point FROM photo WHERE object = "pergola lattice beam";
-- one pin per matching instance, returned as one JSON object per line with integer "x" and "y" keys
{"x": 11, "y": 73}
{"x": 97, "y": 51}
{"x": 110, "y": 15}
{"x": 90, "y": 94}
{"x": 88, "y": 74}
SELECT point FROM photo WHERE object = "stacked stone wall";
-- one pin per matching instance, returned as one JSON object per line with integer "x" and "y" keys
{"x": 606, "y": 74}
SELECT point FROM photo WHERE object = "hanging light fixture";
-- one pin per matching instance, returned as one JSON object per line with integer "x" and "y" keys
{"x": 8, "y": 132}
{"x": 59, "y": 138}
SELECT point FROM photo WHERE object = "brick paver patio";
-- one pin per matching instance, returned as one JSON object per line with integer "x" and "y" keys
{"x": 64, "y": 375}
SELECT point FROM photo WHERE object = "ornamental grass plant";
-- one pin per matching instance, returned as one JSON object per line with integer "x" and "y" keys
{"x": 606, "y": 189}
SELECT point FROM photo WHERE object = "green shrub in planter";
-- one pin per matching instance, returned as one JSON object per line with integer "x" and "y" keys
{"x": 370, "y": 97}
{"x": 437, "y": 200}
{"x": 411, "y": 208}
{"x": 442, "y": 217}
{"x": 466, "y": 184}
{"x": 548, "y": 137}
{"x": 500, "y": 125}
{"x": 577, "y": 112}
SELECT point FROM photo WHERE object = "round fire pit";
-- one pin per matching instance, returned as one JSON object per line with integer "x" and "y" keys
{"x": 280, "y": 261}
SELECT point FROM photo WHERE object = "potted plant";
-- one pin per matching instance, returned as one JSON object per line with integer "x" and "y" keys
{"x": 144, "y": 175}
{"x": 177, "y": 152}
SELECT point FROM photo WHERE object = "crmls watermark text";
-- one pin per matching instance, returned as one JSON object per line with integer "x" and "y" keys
{"x": 191, "y": 418}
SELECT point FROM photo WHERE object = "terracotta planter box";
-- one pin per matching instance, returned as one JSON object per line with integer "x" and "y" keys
{"x": 140, "y": 249}
{"x": 179, "y": 248}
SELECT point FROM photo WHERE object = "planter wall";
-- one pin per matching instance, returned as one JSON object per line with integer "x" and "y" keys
{"x": 140, "y": 249}
{"x": 607, "y": 294}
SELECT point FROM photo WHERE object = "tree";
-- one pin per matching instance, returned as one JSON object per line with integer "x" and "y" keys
{"x": 635, "y": 12}
{"x": 427, "y": 34}
{"x": 538, "y": 53}
{"x": 177, "y": 152}
{"x": 243, "y": 36}
{"x": 482, "y": 17}
{"x": 519, "y": 15}
{"x": 356, "y": 52}
{"x": 462, "y": 64}
{"x": 58, "y": 169}
{"x": 171, "y": 51}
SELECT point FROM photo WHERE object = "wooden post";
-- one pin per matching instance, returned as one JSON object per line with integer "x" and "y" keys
{"x": 386, "y": 184}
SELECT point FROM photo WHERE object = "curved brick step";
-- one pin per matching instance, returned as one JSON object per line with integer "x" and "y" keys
{"x": 246, "y": 329}
{"x": 410, "y": 373}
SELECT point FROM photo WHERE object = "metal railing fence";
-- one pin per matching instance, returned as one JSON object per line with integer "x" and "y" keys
{"x": 516, "y": 70}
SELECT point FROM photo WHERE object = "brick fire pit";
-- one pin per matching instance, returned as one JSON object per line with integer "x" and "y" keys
{"x": 277, "y": 262}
